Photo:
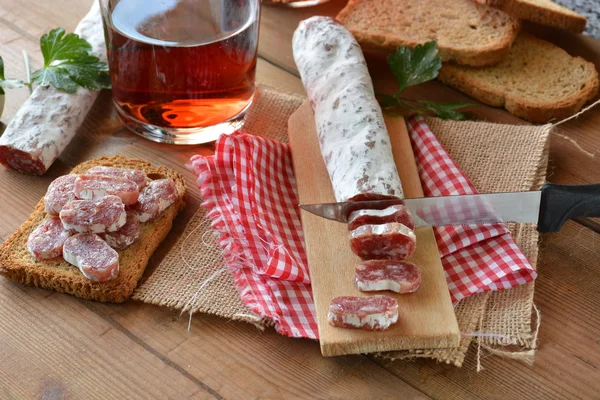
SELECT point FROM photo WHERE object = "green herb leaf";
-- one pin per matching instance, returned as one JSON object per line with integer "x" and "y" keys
{"x": 417, "y": 66}
{"x": 7, "y": 83}
{"x": 446, "y": 110}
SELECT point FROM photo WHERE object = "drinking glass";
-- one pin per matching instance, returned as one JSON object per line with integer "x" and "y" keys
{"x": 182, "y": 71}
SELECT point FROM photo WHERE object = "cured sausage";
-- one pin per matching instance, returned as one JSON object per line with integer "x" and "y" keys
{"x": 397, "y": 276}
{"x": 60, "y": 191}
{"x": 386, "y": 241}
{"x": 126, "y": 235}
{"x": 396, "y": 213}
{"x": 139, "y": 177}
{"x": 47, "y": 240}
{"x": 94, "y": 216}
{"x": 374, "y": 313}
{"x": 96, "y": 260}
{"x": 354, "y": 142}
{"x": 93, "y": 187}
{"x": 155, "y": 198}
{"x": 49, "y": 118}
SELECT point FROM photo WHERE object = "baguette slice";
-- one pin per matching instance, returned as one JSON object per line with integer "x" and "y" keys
{"x": 466, "y": 32}
{"x": 17, "y": 264}
{"x": 544, "y": 12}
{"x": 538, "y": 81}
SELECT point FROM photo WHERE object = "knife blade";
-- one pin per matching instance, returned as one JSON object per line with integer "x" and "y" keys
{"x": 549, "y": 207}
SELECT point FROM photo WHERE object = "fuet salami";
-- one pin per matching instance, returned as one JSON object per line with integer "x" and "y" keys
{"x": 374, "y": 313}
{"x": 126, "y": 235}
{"x": 355, "y": 144}
{"x": 49, "y": 118}
{"x": 94, "y": 216}
{"x": 93, "y": 187}
{"x": 60, "y": 191}
{"x": 397, "y": 276}
{"x": 396, "y": 213}
{"x": 47, "y": 240}
{"x": 139, "y": 177}
{"x": 96, "y": 260}
{"x": 155, "y": 198}
{"x": 385, "y": 241}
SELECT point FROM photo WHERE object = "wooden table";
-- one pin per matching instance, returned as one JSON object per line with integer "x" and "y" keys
{"x": 56, "y": 346}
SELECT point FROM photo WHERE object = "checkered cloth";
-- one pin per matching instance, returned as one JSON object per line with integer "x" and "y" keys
{"x": 249, "y": 188}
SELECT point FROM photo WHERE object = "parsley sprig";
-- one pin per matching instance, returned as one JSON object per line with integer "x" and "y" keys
{"x": 68, "y": 65}
{"x": 412, "y": 67}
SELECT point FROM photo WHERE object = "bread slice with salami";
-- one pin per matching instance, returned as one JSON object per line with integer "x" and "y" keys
{"x": 19, "y": 263}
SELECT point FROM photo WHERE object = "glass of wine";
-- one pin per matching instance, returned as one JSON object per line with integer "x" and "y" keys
{"x": 182, "y": 71}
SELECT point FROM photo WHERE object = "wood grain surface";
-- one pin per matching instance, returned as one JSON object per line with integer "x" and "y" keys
{"x": 54, "y": 346}
{"x": 426, "y": 317}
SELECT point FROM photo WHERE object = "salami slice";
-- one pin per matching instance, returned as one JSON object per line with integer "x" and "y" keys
{"x": 397, "y": 276}
{"x": 60, "y": 191}
{"x": 47, "y": 240}
{"x": 94, "y": 216}
{"x": 396, "y": 213}
{"x": 93, "y": 187}
{"x": 355, "y": 144}
{"x": 96, "y": 260}
{"x": 126, "y": 235}
{"x": 155, "y": 198}
{"x": 374, "y": 313}
{"x": 139, "y": 177}
{"x": 386, "y": 241}
{"x": 49, "y": 118}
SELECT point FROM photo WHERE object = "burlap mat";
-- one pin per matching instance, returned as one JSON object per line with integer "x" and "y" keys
{"x": 495, "y": 157}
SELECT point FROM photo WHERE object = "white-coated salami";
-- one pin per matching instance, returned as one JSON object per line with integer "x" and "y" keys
{"x": 139, "y": 177}
{"x": 49, "y": 118}
{"x": 96, "y": 260}
{"x": 47, "y": 240}
{"x": 374, "y": 313}
{"x": 126, "y": 235}
{"x": 392, "y": 241}
{"x": 155, "y": 198}
{"x": 355, "y": 144}
{"x": 396, "y": 213}
{"x": 94, "y": 216}
{"x": 60, "y": 191}
{"x": 93, "y": 187}
{"x": 397, "y": 276}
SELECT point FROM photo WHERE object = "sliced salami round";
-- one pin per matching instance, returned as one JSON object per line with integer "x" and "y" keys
{"x": 96, "y": 260}
{"x": 385, "y": 241}
{"x": 93, "y": 187}
{"x": 126, "y": 235}
{"x": 374, "y": 313}
{"x": 139, "y": 177}
{"x": 60, "y": 191}
{"x": 94, "y": 216}
{"x": 47, "y": 240}
{"x": 396, "y": 213}
{"x": 155, "y": 198}
{"x": 397, "y": 276}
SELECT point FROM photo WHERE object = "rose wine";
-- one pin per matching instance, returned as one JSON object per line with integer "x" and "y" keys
{"x": 183, "y": 63}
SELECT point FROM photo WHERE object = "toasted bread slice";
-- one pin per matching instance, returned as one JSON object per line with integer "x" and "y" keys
{"x": 466, "y": 32}
{"x": 18, "y": 264}
{"x": 538, "y": 81}
{"x": 544, "y": 12}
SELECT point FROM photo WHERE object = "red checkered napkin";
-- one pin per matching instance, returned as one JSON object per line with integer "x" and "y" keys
{"x": 250, "y": 191}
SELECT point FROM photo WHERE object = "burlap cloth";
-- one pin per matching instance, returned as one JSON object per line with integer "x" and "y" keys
{"x": 497, "y": 158}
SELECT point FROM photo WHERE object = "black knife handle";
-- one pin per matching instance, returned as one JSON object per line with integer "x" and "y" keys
{"x": 560, "y": 203}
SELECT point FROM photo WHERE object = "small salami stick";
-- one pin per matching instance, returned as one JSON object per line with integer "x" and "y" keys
{"x": 155, "y": 198}
{"x": 397, "y": 276}
{"x": 47, "y": 240}
{"x": 96, "y": 260}
{"x": 135, "y": 175}
{"x": 396, "y": 213}
{"x": 374, "y": 313}
{"x": 94, "y": 187}
{"x": 94, "y": 216}
{"x": 60, "y": 191}
{"x": 392, "y": 241}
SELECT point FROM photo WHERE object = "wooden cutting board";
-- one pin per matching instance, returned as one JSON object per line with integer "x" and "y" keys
{"x": 427, "y": 318}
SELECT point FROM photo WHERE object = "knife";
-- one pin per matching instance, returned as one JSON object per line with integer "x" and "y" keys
{"x": 549, "y": 207}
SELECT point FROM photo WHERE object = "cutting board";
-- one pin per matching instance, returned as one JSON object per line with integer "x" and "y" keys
{"x": 427, "y": 318}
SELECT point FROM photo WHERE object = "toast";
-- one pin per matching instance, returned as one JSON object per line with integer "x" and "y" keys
{"x": 538, "y": 81}
{"x": 17, "y": 264}
{"x": 466, "y": 32}
{"x": 543, "y": 12}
